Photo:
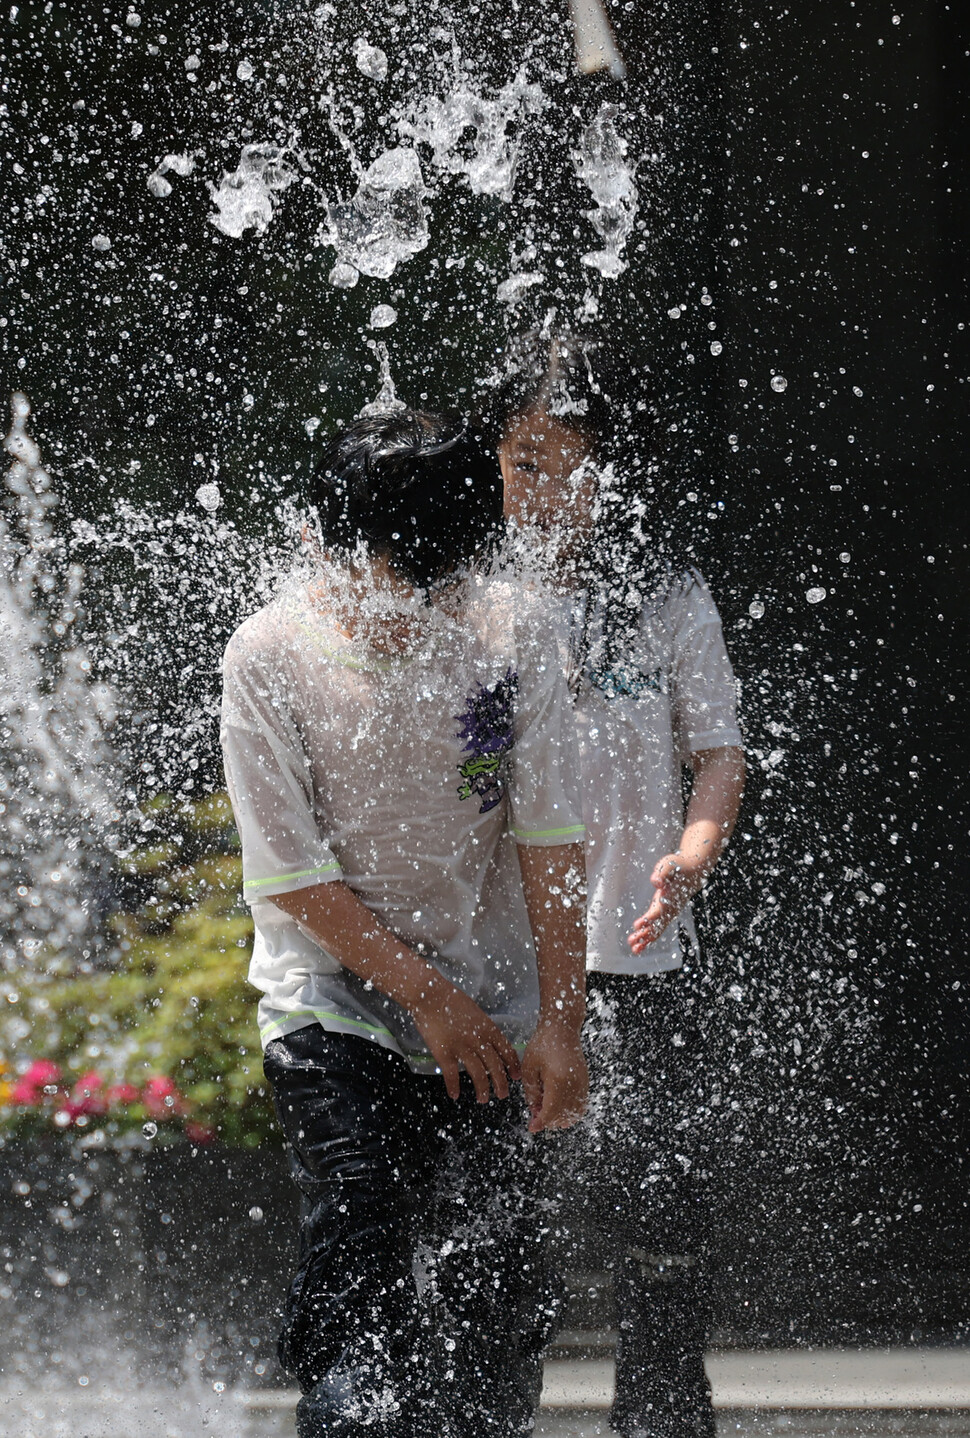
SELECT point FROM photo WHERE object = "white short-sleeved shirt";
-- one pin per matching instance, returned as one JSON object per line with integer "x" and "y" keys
{"x": 638, "y": 722}
{"x": 397, "y": 776}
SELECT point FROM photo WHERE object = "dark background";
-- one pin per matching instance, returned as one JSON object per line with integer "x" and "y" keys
{"x": 810, "y": 176}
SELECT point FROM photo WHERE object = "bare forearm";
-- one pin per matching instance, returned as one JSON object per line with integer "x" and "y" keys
{"x": 343, "y": 926}
{"x": 553, "y": 882}
{"x": 715, "y": 800}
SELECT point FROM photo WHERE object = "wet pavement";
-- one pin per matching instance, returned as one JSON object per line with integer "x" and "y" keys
{"x": 878, "y": 1393}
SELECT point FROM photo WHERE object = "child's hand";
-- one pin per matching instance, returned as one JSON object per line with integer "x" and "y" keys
{"x": 676, "y": 881}
{"x": 460, "y": 1035}
{"x": 554, "y": 1076}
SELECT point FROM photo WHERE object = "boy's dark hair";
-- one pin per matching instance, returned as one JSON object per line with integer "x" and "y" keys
{"x": 421, "y": 489}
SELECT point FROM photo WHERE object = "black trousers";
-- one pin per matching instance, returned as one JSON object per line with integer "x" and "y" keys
{"x": 421, "y": 1304}
{"x": 645, "y": 1164}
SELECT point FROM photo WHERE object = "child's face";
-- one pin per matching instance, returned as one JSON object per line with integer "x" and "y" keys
{"x": 548, "y": 486}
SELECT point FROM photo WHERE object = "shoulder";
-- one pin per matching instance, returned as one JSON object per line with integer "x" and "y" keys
{"x": 687, "y": 601}
{"x": 260, "y": 640}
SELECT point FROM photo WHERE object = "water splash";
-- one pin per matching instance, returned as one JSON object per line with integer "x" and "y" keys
{"x": 488, "y": 156}
{"x": 56, "y": 797}
{"x": 181, "y": 165}
{"x": 601, "y": 164}
{"x": 245, "y": 198}
{"x": 386, "y": 397}
{"x": 384, "y": 223}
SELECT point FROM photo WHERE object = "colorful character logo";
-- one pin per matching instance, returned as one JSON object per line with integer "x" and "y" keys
{"x": 486, "y": 726}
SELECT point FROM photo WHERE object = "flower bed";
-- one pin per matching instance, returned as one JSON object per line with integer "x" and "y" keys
{"x": 160, "y": 1042}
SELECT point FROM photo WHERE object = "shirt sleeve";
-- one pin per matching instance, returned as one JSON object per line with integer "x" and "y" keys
{"x": 544, "y": 794}
{"x": 705, "y": 694}
{"x": 269, "y": 781}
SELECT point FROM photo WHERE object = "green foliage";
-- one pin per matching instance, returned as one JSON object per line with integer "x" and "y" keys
{"x": 176, "y": 1003}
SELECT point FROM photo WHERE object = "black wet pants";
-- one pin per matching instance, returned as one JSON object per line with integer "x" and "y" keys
{"x": 644, "y": 1163}
{"x": 420, "y": 1305}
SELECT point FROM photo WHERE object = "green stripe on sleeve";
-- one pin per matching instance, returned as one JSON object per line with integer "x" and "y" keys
{"x": 576, "y": 831}
{"x": 284, "y": 878}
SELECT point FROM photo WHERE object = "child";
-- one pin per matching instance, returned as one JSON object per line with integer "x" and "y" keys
{"x": 378, "y": 734}
{"x": 654, "y": 690}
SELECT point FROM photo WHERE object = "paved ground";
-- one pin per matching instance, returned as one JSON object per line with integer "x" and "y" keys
{"x": 897, "y": 1393}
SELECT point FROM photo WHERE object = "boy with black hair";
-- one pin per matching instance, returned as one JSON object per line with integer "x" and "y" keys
{"x": 380, "y": 730}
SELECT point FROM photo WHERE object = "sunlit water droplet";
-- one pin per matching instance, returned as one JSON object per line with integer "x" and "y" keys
{"x": 756, "y": 609}
{"x": 778, "y": 383}
{"x": 133, "y": 19}
{"x": 382, "y": 316}
{"x": 343, "y": 277}
{"x": 816, "y": 595}
{"x": 101, "y": 242}
{"x": 716, "y": 347}
{"x": 371, "y": 61}
{"x": 244, "y": 71}
{"x": 209, "y": 496}
{"x": 256, "y": 1214}
{"x": 149, "y": 1129}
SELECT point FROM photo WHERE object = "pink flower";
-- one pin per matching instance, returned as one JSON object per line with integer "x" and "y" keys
{"x": 162, "y": 1099}
{"x": 87, "y": 1096}
{"x": 199, "y": 1132}
{"x": 29, "y": 1087}
{"x": 121, "y": 1093}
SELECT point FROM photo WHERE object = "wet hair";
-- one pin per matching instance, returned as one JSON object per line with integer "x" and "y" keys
{"x": 422, "y": 490}
{"x": 582, "y": 381}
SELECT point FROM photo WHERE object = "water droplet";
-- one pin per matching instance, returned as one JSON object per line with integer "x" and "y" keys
{"x": 778, "y": 383}
{"x": 732, "y": 439}
{"x": 895, "y": 19}
{"x": 149, "y": 1129}
{"x": 209, "y": 496}
{"x": 101, "y": 242}
{"x": 256, "y": 1214}
{"x": 371, "y": 61}
{"x": 382, "y": 316}
{"x": 343, "y": 277}
{"x": 716, "y": 347}
{"x": 244, "y": 71}
{"x": 816, "y": 595}
{"x": 674, "y": 313}
{"x": 192, "y": 62}
{"x": 84, "y": 1380}
{"x": 218, "y": 1387}
{"x": 133, "y": 19}
{"x": 857, "y": 391}
{"x": 706, "y": 299}
{"x": 756, "y": 609}
{"x": 844, "y": 557}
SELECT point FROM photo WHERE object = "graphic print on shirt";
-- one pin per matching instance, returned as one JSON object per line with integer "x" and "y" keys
{"x": 487, "y": 729}
{"x": 626, "y": 681}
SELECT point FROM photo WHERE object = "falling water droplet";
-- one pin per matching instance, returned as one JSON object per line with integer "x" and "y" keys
{"x": 101, "y": 242}
{"x": 244, "y": 71}
{"x": 816, "y": 595}
{"x": 674, "y": 313}
{"x": 382, "y": 316}
{"x": 716, "y": 347}
{"x": 149, "y": 1129}
{"x": 371, "y": 61}
{"x": 133, "y": 19}
{"x": 343, "y": 277}
{"x": 756, "y": 609}
{"x": 778, "y": 383}
{"x": 256, "y": 1214}
{"x": 209, "y": 496}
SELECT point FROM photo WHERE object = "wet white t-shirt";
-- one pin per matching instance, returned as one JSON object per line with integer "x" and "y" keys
{"x": 397, "y": 776}
{"x": 638, "y": 721}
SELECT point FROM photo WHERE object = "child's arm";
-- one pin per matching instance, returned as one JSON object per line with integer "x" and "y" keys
{"x": 457, "y": 1032}
{"x": 715, "y": 799}
{"x": 553, "y": 1067}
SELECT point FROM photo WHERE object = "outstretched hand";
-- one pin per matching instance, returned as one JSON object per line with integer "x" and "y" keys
{"x": 676, "y": 882}
{"x": 459, "y": 1036}
{"x": 554, "y": 1076}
